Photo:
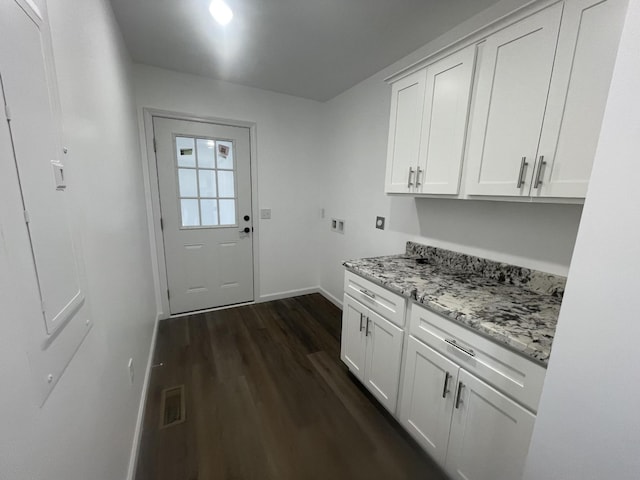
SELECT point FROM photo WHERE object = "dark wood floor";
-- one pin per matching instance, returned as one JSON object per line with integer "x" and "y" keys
{"x": 267, "y": 397}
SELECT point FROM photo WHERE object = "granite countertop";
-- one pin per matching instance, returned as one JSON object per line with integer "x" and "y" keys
{"x": 512, "y": 305}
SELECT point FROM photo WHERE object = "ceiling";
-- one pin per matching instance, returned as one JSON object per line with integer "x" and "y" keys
{"x": 308, "y": 48}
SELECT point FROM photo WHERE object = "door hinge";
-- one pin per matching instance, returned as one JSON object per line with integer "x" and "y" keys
{"x": 168, "y": 293}
{"x": 42, "y": 307}
{"x": 155, "y": 146}
{"x": 161, "y": 224}
{"x": 27, "y": 219}
{"x": 7, "y": 112}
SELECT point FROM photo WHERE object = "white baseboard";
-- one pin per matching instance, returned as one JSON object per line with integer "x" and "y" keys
{"x": 137, "y": 435}
{"x": 301, "y": 291}
{"x": 289, "y": 293}
{"x": 336, "y": 301}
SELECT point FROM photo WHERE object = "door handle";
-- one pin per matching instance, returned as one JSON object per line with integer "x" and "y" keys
{"x": 366, "y": 333}
{"x": 444, "y": 388}
{"x": 523, "y": 167}
{"x": 245, "y": 230}
{"x": 541, "y": 165}
{"x": 409, "y": 182}
{"x": 459, "y": 394}
{"x": 418, "y": 172}
{"x": 361, "y": 327}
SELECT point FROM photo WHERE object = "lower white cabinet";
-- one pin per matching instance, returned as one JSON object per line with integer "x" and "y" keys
{"x": 468, "y": 401}
{"x": 490, "y": 433}
{"x": 427, "y": 399}
{"x": 372, "y": 349}
{"x": 468, "y": 427}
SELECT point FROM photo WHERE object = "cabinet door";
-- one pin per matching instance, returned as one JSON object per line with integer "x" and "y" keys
{"x": 490, "y": 433}
{"x": 384, "y": 353}
{"x": 513, "y": 83}
{"x": 353, "y": 342}
{"x": 405, "y": 123}
{"x": 444, "y": 123}
{"x": 427, "y": 398}
{"x": 587, "y": 48}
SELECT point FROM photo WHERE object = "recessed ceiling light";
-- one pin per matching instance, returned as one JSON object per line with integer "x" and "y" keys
{"x": 221, "y": 12}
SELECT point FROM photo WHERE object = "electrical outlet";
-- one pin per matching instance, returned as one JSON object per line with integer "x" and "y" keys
{"x": 131, "y": 370}
{"x": 380, "y": 223}
{"x": 265, "y": 214}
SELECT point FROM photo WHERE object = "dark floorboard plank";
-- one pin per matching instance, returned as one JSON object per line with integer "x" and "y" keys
{"x": 268, "y": 398}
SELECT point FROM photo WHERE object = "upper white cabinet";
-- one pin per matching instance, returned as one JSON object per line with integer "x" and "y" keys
{"x": 407, "y": 104}
{"x": 444, "y": 123}
{"x": 513, "y": 83}
{"x": 542, "y": 89}
{"x": 531, "y": 129}
{"x": 585, "y": 57}
{"x": 429, "y": 111}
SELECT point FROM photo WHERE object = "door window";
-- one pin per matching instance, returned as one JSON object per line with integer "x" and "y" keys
{"x": 206, "y": 182}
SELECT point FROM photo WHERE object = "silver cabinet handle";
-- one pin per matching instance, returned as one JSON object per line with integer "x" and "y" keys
{"x": 366, "y": 333}
{"x": 418, "y": 172}
{"x": 369, "y": 294}
{"x": 453, "y": 343}
{"x": 444, "y": 388}
{"x": 409, "y": 182}
{"x": 459, "y": 394}
{"x": 541, "y": 164}
{"x": 523, "y": 167}
{"x": 361, "y": 315}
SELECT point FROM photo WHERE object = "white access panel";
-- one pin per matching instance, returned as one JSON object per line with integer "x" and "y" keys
{"x": 32, "y": 167}
{"x": 32, "y": 127}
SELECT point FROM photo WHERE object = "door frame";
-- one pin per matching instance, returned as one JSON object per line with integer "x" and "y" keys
{"x": 152, "y": 196}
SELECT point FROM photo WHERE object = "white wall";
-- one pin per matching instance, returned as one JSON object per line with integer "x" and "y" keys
{"x": 85, "y": 429}
{"x": 356, "y": 125}
{"x": 588, "y": 424}
{"x": 287, "y": 151}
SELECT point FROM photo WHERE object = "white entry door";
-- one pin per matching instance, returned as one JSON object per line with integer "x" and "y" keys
{"x": 204, "y": 177}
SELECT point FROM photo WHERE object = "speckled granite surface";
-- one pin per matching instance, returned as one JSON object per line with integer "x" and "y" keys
{"x": 512, "y": 305}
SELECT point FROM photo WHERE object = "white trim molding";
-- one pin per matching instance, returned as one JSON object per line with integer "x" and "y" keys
{"x": 152, "y": 195}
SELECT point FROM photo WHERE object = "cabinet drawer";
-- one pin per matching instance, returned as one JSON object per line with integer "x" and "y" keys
{"x": 388, "y": 304}
{"x": 508, "y": 371}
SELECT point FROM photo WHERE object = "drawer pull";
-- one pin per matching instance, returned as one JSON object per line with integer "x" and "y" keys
{"x": 444, "y": 388}
{"x": 369, "y": 294}
{"x": 459, "y": 394}
{"x": 453, "y": 343}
